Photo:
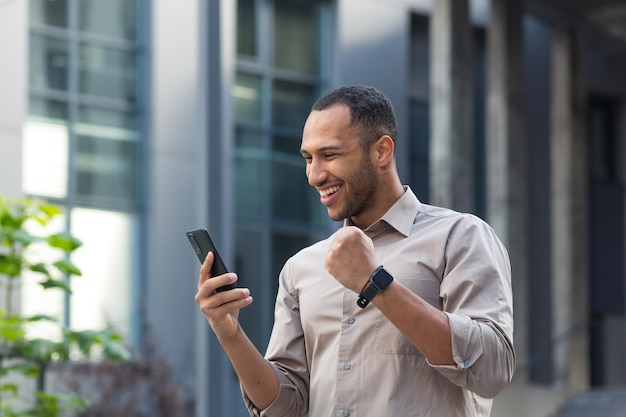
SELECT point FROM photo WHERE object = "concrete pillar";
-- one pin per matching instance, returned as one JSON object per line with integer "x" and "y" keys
{"x": 174, "y": 174}
{"x": 217, "y": 388}
{"x": 14, "y": 88}
{"x": 569, "y": 211}
{"x": 506, "y": 153}
{"x": 451, "y": 110}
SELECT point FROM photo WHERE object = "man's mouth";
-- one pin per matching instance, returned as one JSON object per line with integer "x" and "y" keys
{"x": 328, "y": 191}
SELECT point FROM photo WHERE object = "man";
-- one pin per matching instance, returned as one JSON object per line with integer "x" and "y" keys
{"x": 429, "y": 333}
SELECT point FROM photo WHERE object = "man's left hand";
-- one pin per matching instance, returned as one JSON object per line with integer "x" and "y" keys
{"x": 351, "y": 258}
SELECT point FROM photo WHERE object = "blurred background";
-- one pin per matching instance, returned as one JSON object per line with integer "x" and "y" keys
{"x": 144, "y": 119}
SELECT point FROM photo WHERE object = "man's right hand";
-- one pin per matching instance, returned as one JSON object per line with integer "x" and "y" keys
{"x": 220, "y": 308}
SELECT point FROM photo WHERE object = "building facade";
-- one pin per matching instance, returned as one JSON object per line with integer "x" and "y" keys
{"x": 147, "y": 119}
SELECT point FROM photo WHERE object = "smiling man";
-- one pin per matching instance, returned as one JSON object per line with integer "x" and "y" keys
{"x": 404, "y": 311}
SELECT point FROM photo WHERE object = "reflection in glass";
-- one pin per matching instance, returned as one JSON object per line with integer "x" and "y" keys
{"x": 107, "y": 72}
{"x": 292, "y": 197}
{"x": 46, "y": 12}
{"x": 102, "y": 297}
{"x": 247, "y": 98}
{"x": 106, "y": 155}
{"x": 296, "y": 36}
{"x": 250, "y": 260}
{"x": 252, "y": 175}
{"x": 125, "y": 121}
{"x": 45, "y": 149}
{"x": 246, "y": 27}
{"x": 52, "y": 110}
{"x": 291, "y": 103}
{"x": 48, "y": 62}
{"x": 114, "y": 18}
{"x": 285, "y": 245}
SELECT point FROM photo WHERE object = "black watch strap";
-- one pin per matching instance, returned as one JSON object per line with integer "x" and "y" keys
{"x": 379, "y": 280}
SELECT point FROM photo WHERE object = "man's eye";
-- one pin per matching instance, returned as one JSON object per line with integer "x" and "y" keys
{"x": 329, "y": 155}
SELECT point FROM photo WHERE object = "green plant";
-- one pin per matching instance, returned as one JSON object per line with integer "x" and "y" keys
{"x": 20, "y": 353}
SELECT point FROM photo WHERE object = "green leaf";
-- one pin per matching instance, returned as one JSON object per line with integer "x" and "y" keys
{"x": 39, "y": 349}
{"x": 54, "y": 404}
{"x": 64, "y": 241}
{"x": 11, "y": 328}
{"x": 40, "y": 267}
{"x": 28, "y": 369}
{"x": 13, "y": 389}
{"x": 117, "y": 351}
{"x": 40, "y": 317}
{"x": 67, "y": 267}
{"x": 85, "y": 339}
{"x": 55, "y": 283}
{"x": 50, "y": 210}
{"x": 23, "y": 237}
{"x": 10, "y": 266}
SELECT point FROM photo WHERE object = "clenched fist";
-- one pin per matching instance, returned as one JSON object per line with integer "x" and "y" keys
{"x": 351, "y": 258}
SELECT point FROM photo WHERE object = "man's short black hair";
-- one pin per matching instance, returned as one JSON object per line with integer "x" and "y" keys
{"x": 371, "y": 111}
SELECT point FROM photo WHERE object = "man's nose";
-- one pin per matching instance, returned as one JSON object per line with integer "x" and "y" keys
{"x": 316, "y": 173}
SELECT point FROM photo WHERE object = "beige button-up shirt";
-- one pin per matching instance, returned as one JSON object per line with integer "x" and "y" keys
{"x": 335, "y": 359}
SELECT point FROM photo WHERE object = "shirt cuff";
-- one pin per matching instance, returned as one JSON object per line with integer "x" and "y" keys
{"x": 467, "y": 345}
{"x": 283, "y": 404}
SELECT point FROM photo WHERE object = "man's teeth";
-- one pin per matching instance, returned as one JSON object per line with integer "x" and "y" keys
{"x": 329, "y": 191}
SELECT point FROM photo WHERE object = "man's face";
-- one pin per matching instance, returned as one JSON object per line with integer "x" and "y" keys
{"x": 336, "y": 164}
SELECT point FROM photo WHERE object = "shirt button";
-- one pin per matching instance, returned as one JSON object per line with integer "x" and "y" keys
{"x": 347, "y": 366}
{"x": 351, "y": 320}
{"x": 345, "y": 413}
{"x": 466, "y": 364}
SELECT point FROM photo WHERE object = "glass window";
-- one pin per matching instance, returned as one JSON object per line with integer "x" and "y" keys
{"x": 419, "y": 128}
{"x": 252, "y": 175}
{"x": 88, "y": 154}
{"x": 46, "y": 12}
{"x": 120, "y": 125}
{"x": 292, "y": 197}
{"x": 291, "y": 103}
{"x": 113, "y": 18}
{"x": 603, "y": 152}
{"x": 103, "y": 296}
{"x": 296, "y": 36}
{"x": 250, "y": 245}
{"x": 50, "y": 110}
{"x": 107, "y": 72}
{"x": 106, "y": 155}
{"x": 105, "y": 168}
{"x": 246, "y": 27}
{"x": 247, "y": 98}
{"x": 284, "y": 245}
{"x": 48, "y": 62}
{"x": 45, "y": 149}
{"x": 289, "y": 189}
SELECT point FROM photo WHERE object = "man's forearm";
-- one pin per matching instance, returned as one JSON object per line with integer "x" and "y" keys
{"x": 255, "y": 373}
{"x": 425, "y": 326}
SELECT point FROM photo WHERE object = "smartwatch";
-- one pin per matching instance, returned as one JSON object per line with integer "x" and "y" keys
{"x": 379, "y": 280}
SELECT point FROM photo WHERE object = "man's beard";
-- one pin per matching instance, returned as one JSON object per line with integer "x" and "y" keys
{"x": 363, "y": 184}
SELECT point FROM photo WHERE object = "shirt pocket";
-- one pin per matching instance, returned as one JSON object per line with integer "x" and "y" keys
{"x": 389, "y": 340}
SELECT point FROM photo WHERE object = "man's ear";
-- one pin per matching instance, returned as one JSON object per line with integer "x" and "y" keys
{"x": 384, "y": 150}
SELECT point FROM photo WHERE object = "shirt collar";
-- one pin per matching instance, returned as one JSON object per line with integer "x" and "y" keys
{"x": 400, "y": 216}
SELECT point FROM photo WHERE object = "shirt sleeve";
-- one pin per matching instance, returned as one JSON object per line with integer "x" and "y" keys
{"x": 478, "y": 300}
{"x": 287, "y": 354}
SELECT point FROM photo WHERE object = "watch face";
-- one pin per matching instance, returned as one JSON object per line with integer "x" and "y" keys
{"x": 382, "y": 279}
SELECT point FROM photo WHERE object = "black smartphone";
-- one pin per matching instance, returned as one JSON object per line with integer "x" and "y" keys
{"x": 202, "y": 245}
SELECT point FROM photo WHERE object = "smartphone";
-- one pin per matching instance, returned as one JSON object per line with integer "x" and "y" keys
{"x": 202, "y": 245}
